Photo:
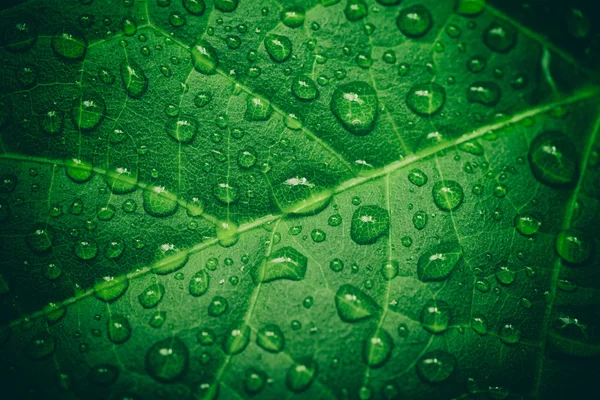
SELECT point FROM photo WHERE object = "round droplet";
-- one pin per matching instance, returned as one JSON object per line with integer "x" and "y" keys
{"x": 509, "y": 334}
{"x": 27, "y": 76}
{"x": 86, "y": 249}
{"x": 435, "y": 316}
{"x": 226, "y": 193}
{"x": 447, "y": 195}
{"x": 438, "y": 262}
{"x": 194, "y": 7}
{"x": 51, "y": 122}
{"x": 574, "y": 247}
{"x": 500, "y": 37}
{"x": 278, "y": 47}
{"x": 236, "y": 339}
{"x": 436, "y": 366}
{"x": 414, "y": 21}
{"x": 218, "y": 306}
{"x": 79, "y": 171}
{"x": 158, "y": 202}
{"x": 183, "y": 129}
{"x": 355, "y": 105}
{"x": 103, "y": 374}
{"x": 293, "y": 17}
{"x": 336, "y": 265}
{"x": 206, "y": 337}
{"x": 258, "y": 108}
{"x": 369, "y": 223}
{"x": 40, "y": 239}
{"x": 504, "y": 274}
{"x": 204, "y": 58}
{"x": 88, "y": 111}
{"x": 426, "y": 98}
{"x": 304, "y": 88}
{"x": 553, "y": 159}
{"x": 199, "y": 283}
{"x": 270, "y": 337}
{"x": 417, "y": 177}
{"x": 152, "y": 295}
{"x": 377, "y": 348}
{"x": 202, "y": 99}
{"x": 114, "y": 248}
{"x": 486, "y": 93}
{"x": 254, "y": 380}
{"x": 41, "y": 346}
{"x": 119, "y": 329}
{"x": 247, "y": 158}
{"x": 20, "y": 35}
{"x": 226, "y": 5}
{"x": 356, "y": 10}
{"x": 527, "y": 225}
{"x": 300, "y": 375}
{"x": 167, "y": 360}
{"x": 70, "y": 45}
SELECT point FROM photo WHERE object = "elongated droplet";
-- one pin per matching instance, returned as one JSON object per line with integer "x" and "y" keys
{"x": 300, "y": 375}
{"x": 134, "y": 78}
{"x": 204, "y": 58}
{"x": 439, "y": 261}
{"x": 285, "y": 263}
{"x": 353, "y": 304}
{"x": 553, "y": 159}
{"x": 377, "y": 348}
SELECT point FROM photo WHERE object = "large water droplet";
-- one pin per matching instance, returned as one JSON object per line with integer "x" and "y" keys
{"x": 304, "y": 88}
{"x": 88, "y": 111}
{"x": 199, "y": 283}
{"x": 368, "y": 224}
{"x": 110, "y": 288}
{"x": 436, "y": 366}
{"x": 205, "y": 58}
{"x": 553, "y": 159}
{"x": 447, "y": 195}
{"x": 486, "y": 93}
{"x": 194, "y": 7}
{"x": 226, "y": 5}
{"x": 70, "y": 45}
{"x": 377, "y": 348}
{"x": 278, "y": 47}
{"x": 158, "y": 202}
{"x": 426, "y": 98}
{"x": 285, "y": 263}
{"x": 119, "y": 329}
{"x": 439, "y": 261}
{"x": 121, "y": 180}
{"x": 355, "y": 105}
{"x": 270, "y": 337}
{"x": 293, "y": 17}
{"x": 258, "y": 108}
{"x": 353, "y": 304}
{"x": 134, "y": 78}
{"x": 307, "y": 192}
{"x": 414, "y": 21}
{"x": 152, "y": 295}
{"x": 167, "y": 360}
{"x": 435, "y": 316}
{"x": 527, "y": 225}
{"x": 356, "y": 10}
{"x": 237, "y": 339}
{"x": 183, "y": 128}
{"x": 500, "y": 37}
{"x": 79, "y": 171}
{"x": 300, "y": 375}
{"x": 574, "y": 247}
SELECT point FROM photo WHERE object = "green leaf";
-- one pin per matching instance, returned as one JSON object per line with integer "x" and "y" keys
{"x": 317, "y": 199}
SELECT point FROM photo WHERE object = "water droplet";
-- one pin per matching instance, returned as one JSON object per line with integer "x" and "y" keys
{"x": 270, "y": 338}
{"x": 103, "y": 374}
{"x": 194, "y": 7}
{"x": 369, "y": 223}
{"x": 435, "y": 316}
{"x": 447, "y": 195}
{"x": 553, "y": 159}
{"x": 254, "y": 380}
{"x": 199, "y": 283}
{"x": 182, "y": 129}
{"x": 414, "y": 21}
{"x": 134, "y": 78}
{"x": 70, "y": 45}
{"x": 293, "y": 17}
{"x": 355, "y": 105}
{"x": 226, "y": 5}
{"x": 204, "y": 58}
{"x": 226, "y": 193}
{"x": 417, "y": 177}
{"x": 218, "y": 306}
{"x": 41, "y": 346}
{"x": 278, "y": 47}
{"x": 439, "y": 261}
{"x": 51, "y": 122}
{"x": 152, "y": 295}
{"x": 167, "y": 360}
{"x": 574, "y": 247}
{"x": 86, "y": 249}
{"x": 353, "y": 304}
{"x": 426, "y": 98}
{"x": 300, "y": 375}
{"x": 285, "y": 263}
{"x": 20, "y": 35}
{"x": 79, "y": 171}
{"x": 436, "y": 366}
{"x": 470, "y": 7}
{"x": 237, "y": 339}
{"x": 121, "y": 180}
{"x": 356, "y": 10}
{"x": 377, "y": 348}
{"x": 88, "y": 111}
{"x": 509, "y": 334}
{"x": 318, "y": 235}
{"x": 158, "y": 202}
{"x": 119, "y": 329}
{"x": 110, "y": 288}
{"x": 420, "y": 219}
{"x": 336, "y": 265}
{"x": 500, "y": 37}
{"x": 171, "y": 259}
{"x": 258, "y": 108}
{"x": 486, "y": 93}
